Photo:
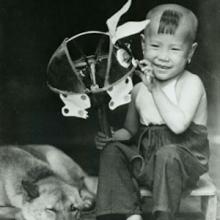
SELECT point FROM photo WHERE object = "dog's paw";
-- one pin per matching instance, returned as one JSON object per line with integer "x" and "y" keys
{"x": 88, "y": 200}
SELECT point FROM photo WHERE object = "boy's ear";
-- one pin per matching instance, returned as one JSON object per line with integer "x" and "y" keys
{"x": 192, "y": 50}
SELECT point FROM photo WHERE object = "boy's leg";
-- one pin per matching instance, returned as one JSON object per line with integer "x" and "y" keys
{"x": 117, "y": 191}
{"x": 167, "y": 180}
{"x": 169, "y": 172}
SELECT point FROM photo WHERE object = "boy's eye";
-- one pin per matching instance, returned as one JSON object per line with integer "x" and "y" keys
{"x": 175, "y": 49}
{"x": 154, "y": 45}
{"x": 51, "y": 210}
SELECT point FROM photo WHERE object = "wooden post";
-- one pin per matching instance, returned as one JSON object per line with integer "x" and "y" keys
{"x": 103, "y": 120}
{"x": 99, "y": 102}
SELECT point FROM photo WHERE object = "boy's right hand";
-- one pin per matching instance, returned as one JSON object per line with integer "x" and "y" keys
{"x": 101, "y": 140}
{"x": 146, "y": 74}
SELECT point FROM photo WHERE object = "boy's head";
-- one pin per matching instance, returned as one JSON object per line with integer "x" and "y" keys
{"x": 171, "y": 19}
{"x": 169, "y": 39}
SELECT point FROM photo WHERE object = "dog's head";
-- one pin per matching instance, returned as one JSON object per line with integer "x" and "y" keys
{"x": 51, "y": 199}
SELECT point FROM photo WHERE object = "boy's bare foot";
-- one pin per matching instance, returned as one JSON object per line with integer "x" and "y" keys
{"x": 134, "y": 217}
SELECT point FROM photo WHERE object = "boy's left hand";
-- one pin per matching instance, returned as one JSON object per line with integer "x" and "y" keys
{"x": 101, "y": 140}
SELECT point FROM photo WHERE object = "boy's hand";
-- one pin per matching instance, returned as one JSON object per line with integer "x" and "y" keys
{"x": 146, "y": 74}
{"x": 101, "y": 140}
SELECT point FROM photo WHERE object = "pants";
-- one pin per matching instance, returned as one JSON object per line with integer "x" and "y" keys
{"x": 166, "y": 163}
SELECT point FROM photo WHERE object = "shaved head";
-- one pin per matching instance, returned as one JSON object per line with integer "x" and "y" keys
{"x": 172, "y": 19}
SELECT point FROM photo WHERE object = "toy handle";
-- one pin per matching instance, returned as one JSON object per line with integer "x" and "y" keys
{"x": 103, "y": 120}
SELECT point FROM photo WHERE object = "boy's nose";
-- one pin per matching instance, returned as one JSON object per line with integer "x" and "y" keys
{"x": 163, "y": 55}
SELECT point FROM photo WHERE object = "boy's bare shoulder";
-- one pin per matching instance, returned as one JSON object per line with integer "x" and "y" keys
{"x": 191, "y": 78}
{"x": 137, "y": 88}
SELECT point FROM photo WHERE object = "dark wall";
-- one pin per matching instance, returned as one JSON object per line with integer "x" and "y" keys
{"x": 30, "y": 31}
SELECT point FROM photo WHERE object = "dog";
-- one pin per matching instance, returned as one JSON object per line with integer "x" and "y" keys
{"x": 40, "y": 182}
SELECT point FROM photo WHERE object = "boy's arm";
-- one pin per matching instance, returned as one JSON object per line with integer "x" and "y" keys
{"x": 178, "y": 117}
{"x": 130, "y": 127}
{"x": 131, "y": 121}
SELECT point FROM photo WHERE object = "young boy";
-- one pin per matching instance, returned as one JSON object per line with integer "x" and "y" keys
{"x": 163, "y": 144}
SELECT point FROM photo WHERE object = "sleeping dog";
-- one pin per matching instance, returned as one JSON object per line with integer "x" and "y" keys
{"x": 40, "y": 182}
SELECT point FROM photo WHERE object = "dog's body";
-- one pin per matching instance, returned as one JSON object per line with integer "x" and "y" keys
{"x": 40, "y": 182}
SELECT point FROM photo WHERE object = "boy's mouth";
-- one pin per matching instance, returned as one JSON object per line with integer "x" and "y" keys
{"x": 162, "y": 67}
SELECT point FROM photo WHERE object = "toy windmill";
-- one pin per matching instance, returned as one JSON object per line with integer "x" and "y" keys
{"x": 93, "y": 63}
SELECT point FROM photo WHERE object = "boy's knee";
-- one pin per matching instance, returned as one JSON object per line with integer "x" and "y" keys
{"x": 167, "y": 153}
{"x": 110, "y": 151}
{"x": 112, "y": 158}
{"x": 168, "y": 158}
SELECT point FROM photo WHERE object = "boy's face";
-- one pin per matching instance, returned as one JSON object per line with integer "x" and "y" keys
{"x": 168, "y": 53}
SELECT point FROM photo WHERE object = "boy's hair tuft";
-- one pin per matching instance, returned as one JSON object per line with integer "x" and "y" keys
{"x": 169, "y": 22}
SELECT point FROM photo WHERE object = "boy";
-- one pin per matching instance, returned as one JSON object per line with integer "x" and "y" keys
{"x": 163, "y": 144}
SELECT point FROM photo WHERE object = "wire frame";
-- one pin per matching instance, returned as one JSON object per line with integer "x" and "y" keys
{"x": 88, "y": 63}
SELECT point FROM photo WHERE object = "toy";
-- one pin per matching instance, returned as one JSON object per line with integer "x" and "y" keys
{"x": 92, "y": 64}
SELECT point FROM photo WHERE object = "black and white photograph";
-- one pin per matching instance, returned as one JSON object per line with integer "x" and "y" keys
{"x": 109, "y": 110}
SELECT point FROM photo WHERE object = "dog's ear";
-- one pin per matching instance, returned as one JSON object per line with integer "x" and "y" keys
{"x": 30, "y": 188}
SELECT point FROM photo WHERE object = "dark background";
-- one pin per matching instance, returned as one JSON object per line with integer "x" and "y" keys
{"x": 30, "y": 31}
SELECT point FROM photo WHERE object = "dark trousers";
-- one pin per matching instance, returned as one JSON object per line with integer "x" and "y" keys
{"x": 168, "y": 168}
